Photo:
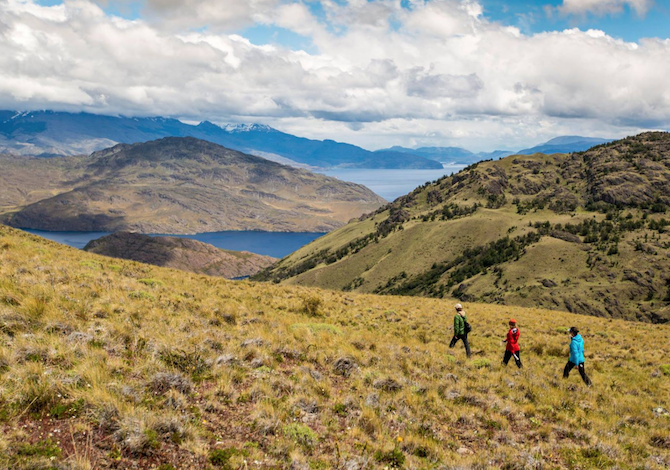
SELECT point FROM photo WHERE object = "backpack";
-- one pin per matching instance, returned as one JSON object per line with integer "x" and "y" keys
{"x": 467, "y": 328}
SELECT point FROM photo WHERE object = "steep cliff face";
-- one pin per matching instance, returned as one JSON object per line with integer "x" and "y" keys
{"x": 180, "y": 253}
{"x": 175, "y": 185}
{"x": 583, "y": 232}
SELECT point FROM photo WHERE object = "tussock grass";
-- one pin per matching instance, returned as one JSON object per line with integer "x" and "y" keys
{"x": 199, "y": 372}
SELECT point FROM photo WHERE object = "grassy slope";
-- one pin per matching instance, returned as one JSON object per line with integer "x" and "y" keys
{"x": 620, "y": 274}
{"x": 111, "y": 364}
{"x": 174, "y": 185}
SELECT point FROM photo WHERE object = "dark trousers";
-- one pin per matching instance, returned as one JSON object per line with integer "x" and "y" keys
{"x": 571, "y": 365}
{"x": 455, "y": 339}
{"x": 517, "y": 358}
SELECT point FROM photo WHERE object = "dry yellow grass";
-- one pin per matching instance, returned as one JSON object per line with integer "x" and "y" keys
{"x": 114, "y": 364}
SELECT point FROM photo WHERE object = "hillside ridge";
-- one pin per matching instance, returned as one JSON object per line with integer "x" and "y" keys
{"x": 583, "y": 232}
{"x": 174, "y": 185}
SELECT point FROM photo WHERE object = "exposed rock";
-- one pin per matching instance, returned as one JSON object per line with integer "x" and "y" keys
{"x": 548, "y": 283}
{"x": 372, "y": 400}
{"x": 659, "y": 411}
{"x": 451, "y": 377}
{"x": 464, "y": 451}
{"x": 565, "y": 236}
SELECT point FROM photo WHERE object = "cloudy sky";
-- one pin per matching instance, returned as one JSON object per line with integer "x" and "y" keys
{"x": 482, "y": 74}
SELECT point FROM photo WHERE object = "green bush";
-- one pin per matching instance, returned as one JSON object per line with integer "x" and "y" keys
{"x": 46, "y": 448}
{"x": 481, "y": 363}
{"x": 311, "y": 306}
{"x": 393, "y": 458}
{"x": 301, "y": 434}
{"x": 221, "y": 457}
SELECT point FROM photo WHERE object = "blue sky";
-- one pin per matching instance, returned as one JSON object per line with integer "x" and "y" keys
{"x": 532, "y": 17}
{"x": 529, "y": 16}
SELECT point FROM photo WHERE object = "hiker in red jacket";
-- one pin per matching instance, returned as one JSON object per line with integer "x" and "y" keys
{"x": 512, "y": 348}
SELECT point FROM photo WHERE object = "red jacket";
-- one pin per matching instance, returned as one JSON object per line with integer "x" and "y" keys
{"x": 513, "y": 340}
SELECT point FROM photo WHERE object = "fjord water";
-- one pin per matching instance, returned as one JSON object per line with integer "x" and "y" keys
{"x": 276, "y": 244}
{"x": 391, "y": 184}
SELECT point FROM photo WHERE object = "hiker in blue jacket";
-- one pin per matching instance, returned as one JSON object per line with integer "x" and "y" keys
{"x": 576, "y": 356}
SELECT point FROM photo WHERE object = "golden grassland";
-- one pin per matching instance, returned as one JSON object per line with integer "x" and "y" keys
{"x": 114, "y": 364}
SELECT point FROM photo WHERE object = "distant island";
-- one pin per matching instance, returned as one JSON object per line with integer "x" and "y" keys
{"x": 180, "y": 253}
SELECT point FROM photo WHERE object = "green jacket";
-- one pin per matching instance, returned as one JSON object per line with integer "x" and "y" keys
{"x": 459, "y": 324}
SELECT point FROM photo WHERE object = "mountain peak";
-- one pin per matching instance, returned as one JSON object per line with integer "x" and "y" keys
{"x": 238, "y": 128}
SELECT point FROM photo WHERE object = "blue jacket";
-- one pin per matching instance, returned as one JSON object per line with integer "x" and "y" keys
{"x": 577, "y": 350}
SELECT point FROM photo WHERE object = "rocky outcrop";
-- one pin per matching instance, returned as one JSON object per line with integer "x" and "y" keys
{"x": 180, "y": 253}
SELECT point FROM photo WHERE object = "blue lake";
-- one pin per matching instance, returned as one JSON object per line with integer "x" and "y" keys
{"x": 277, "y": 244}
{"x": 391, "y": 184}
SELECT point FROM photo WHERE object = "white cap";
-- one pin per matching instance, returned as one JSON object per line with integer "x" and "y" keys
{"x": 458, "y": 307}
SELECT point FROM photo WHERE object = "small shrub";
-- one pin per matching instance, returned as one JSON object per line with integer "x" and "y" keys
{"x": 345, "y": 366}
{"x": 311, "y": 306}
{"x": 151, "y": 282}
{"x": 660, "y": 441}
{"x": 189, "y": 363}
{"x": 388, "y": 385}
{"x": 221, "y": 457}
{"x": 556, "y": 351}
{"x": 393, "y": 458}
{"x": 481, "y": 363}
{"x": 340, "y": 409}
{"x": 140, "y": 294}
{"x": 537, "y": 348}
{"x": 665, "y": 368}
{"x": 301, "y": 434}
{"x": 46, "y": 448}
{"x": 164, "y": 381}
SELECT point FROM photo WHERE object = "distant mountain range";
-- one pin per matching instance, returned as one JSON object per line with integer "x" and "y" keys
{"x": 458, "y": 155}
{"x": 48, "y": 134}
{"x": 173, "y": 185}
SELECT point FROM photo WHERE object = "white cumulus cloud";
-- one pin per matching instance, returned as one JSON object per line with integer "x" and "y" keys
{"x": 604, "y": 7}
{"x": 438, "y": 72}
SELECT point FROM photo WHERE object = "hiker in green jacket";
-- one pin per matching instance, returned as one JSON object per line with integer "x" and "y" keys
{"x": 461, "y": 329}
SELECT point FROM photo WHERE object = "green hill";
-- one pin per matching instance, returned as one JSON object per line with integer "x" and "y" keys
{"x": 584, "y": 232}
{"x": 108, "y": 363}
